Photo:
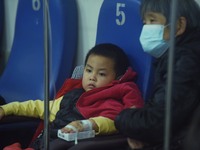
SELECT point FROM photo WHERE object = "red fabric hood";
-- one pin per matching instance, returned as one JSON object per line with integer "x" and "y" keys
{"x": 108, "y": 101}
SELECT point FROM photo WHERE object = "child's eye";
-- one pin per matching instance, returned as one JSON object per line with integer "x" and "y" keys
{"x": 88, "y": 70}
{"x": 102, "y": 74}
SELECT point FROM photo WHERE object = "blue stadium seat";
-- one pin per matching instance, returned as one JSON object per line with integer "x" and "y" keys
{"x": 120, "y": 23}
{"x": 23, "y": 77}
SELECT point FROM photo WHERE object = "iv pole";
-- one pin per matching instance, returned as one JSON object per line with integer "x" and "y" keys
{"x": 173, "y": 15}
{"x": 46, "y": 74}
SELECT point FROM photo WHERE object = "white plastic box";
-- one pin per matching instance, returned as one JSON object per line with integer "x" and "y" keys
{"x": 80, "y": 135}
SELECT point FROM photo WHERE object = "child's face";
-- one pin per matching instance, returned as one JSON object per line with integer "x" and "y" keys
{"x": 157, "y": 18}
{"x": 99, "y": 71}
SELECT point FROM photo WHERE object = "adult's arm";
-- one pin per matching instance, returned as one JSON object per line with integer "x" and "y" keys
{"x": 147, "y": 124}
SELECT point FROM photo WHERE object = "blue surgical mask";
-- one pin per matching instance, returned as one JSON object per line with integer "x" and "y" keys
{"x": 151, "y": 39}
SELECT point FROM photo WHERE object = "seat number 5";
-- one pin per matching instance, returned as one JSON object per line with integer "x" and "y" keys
{"x": 121, "y": 17}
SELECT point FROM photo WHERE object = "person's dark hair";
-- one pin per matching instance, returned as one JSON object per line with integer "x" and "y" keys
{"x": 185, "y": 8}
{"x": 113, "y": 52}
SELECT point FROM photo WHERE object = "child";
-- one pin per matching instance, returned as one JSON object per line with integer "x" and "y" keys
{"x": 145, "y": 126}
{"x": 107, "y": 89}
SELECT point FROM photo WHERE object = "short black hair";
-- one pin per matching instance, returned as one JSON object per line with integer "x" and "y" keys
{"x": 113, "y": 52}
{"x": 185, "y": 8}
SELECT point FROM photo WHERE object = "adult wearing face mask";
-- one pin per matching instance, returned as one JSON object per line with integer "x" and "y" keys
{"x": 144, "y": 127}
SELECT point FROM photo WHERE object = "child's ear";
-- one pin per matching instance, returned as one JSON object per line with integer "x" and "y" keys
{"x": 181, "y": 26}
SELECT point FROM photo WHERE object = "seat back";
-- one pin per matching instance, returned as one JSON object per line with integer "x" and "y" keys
{"x": 23, "y": 77}
{"x": 119, "y": 23}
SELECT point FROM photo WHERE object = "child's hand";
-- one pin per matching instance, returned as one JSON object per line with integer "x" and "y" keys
{"x": 78, "y": 126}
{"x": 2, "y": 114}
{"x": 73, "y": 127}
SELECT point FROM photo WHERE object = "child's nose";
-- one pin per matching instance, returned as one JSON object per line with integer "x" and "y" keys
{"x": 93, "y": 77}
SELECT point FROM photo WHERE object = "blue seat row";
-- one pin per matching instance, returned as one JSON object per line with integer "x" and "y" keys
{"x": 23, "y": 76}
{"x": 119, "y": 23}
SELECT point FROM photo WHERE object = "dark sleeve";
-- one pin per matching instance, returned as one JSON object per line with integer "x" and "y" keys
{"x": 147, "y": 124}
{"x": 141, "y": 123}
